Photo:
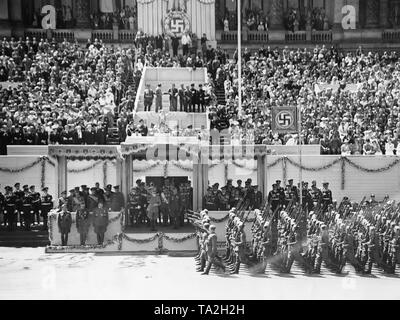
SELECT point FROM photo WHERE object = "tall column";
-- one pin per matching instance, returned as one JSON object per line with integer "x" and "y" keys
{"x": 276, "y": 16}
{"x": 384, "y": 14}
{"x": 81, "y": 12}
{"x": 61, "y": 174}
{"x": 372, "y": 14}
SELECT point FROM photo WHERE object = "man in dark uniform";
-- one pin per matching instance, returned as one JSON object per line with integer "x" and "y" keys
{"x": 19, "y": 194}
{"x": 184, "y": 193}
{"x": 100, "y": 222}
{"x": 10, "y": 203}
{"x": 201, "y": 99}
{"x": 117, "y": 200}
{"x": 239, "y": 186}
{"x": 274, "y": 198}
{"x": 107, "y": 196}
{"x": 293, "y": 190}
{"x": 99, "y": 191}
{"x": 281, "y": 190}
{"x": 290, "y": 196}
{"x": 63, "y": 199}
{"x": 64, "y": 224}
{"x": 35, "y": 204}
{"x": 70, "y": 200}
{"x": 134, "y": 208}
{"x": 93, "y": 200}
{"x": 148, "y": 98}
{"x": 46, "y": 206}
{"x": 316, "y": 195}
{"x": 182, "y": 99}
{"x": 249, "y": 194}
{"x": 143, "y": 201}
{"x": 306, "y": 198}
{"x": 326, "y": 196}
{"x": 188, "y": 99}
{"x": 82, "y": 223}
{"x": 85, "y": 193}
{"x": 165, "y": 201}
{"x": 223, "y": 200}
{"x": 209, "y": 200}
{"x": 194, "y": 97}
{"x": 27, "y": 208}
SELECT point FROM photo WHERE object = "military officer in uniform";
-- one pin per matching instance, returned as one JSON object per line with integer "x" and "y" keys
{"x": 148, "y": 98}
{"x": 316, "y": 196}
{"x": 82, "y": 223}
{"x": 293, "y": 190}
{"x": 184, "y": 193}
{"x": 19, "y": 194}
{"x": 239, "y": 186}
{"x": 100, "y": 222}
{"x": 64, "y": 224}
{"x": 210, "y": 200}
{"x": 211, "y": 250}
{"x": 10, "y": 204}
{"x": 35, "y": 204}
{"x": 134, "y": 206}
{"x": 223, "y": 200}
{"x": 46, "y": 206}
{"x": 280, "y": 189}
{"x": 274, "y": 198}
{"x": 165, "y": 201}
{"x": 63, "y": 199}
{"x": 117, "y": 200}
{"x": 326, "y": 198}
{"x": 107, "y": 196}
{"x": 92, "y": 200}
{"x": 27, "y": 208}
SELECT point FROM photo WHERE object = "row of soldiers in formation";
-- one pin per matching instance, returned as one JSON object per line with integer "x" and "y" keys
{"x": 188, "y": 98}
{"x": 363, "y": 235}
{"x": 166, "y": 206}
{"x": 229, "y": 196}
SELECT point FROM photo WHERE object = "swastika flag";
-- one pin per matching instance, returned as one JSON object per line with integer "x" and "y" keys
{"x": 284, "y": 120}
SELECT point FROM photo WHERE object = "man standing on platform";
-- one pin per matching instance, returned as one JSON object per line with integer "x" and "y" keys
{"x": 46, "y": 206}
{"x": 100, "y": 222}
{"x": 148, "y": 98}
{"x": 316, "y": 195}
{"x": 117, "y": 200}
{"x": 10, "y": 205}
{"x": 165, "y": 202}
{"x": 19, "y": 194}
{"x": 35, "y": 204}
{"x": 93, "y": 200}
{"x": 82, "y": 223}
{"x": 326, "y": 196}
{"x": 27, "y": 208}
{"x": 182, "y": 100}
{"x": 201, "y": 99}
{"x": 173, "y": 98}
{"x": 64, "y": 224}
{"x": 274, "y": 197}
{"x": 194, "y": 98}
{"x": 159, "y": 94}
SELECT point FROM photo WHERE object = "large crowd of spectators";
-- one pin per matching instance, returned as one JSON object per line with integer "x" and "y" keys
{"x": 363, "y": 120}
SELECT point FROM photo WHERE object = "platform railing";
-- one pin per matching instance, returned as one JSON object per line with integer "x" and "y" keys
{"x": 321, "y": 36}
{"x": 297, "y": 36}
{"x": 104, "y": 35}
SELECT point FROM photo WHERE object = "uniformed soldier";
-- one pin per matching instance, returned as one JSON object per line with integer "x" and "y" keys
{"x": 211, "y": 249}
{"x": 316, "y": 195}
{"x": 35, "y": 204}
{"x": 64, "y": 224}
{"x": 326, "y": 198}
{"x": 202, "y": 243}
{"x": 92, "y": 200}
{"x": 19, "y": 194}
{"x": 117, "y": 200}
{"x": 71, "y": 200}
{"x": 209, "y": 200}
{"x": 258, "y": 199}
{"x": 239, "y": 247}
{"x": 46, "y": 206}
{"x": 281, "y": 190}
{"x": 107, "y": 196}
{"x": 184, "y": 193}
{"x": 249, "y": 194}
{"x": 174, "y": 210}
{"x": 82, "y": 223}
{"x": 306, "y": 197}
{"x": 100, "y": 222}
{"x": 290, "y": 197}
{"x": 239, "y": 186}
{"x": 27, "y": 208}
{"x": 63, "y": 199}
{"x": 10, "y": 205}
{"x": 134, "y": 206}
{"x": 165, "y": 201}
{"x": 223, "y": 200}
{"x": 85, "y": 193}
{"x": 144, "y": 202}
{"x": 274, "y": 198}
{"x": 99, "y": 192}
{"x": 148, "y": 98}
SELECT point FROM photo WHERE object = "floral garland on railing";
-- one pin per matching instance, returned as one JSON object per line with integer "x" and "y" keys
{"x": 243, "y": 166}
{"x": 94, "y": 165}
{"x": 273, "y": 164}
{"x": 179, "y": 166}
{"x": 325, "y": 167}
{"x": 383, "y": 169}
{"x": 27, "y": 167}
{"x": 178, "y": 240}
{"x": 148, "y": 240}
{"x": 147, "y": 168}
{"x": 119, "y": 216}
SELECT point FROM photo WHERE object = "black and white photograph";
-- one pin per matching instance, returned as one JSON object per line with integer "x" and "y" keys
{"x": 183, "y": 150}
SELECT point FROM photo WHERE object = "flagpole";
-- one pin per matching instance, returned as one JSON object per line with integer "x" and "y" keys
{"x": 239, "y": 36}
{"x": 301, "y": 158}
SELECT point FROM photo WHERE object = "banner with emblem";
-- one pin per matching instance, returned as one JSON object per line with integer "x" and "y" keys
{"x": 284, "y": 120}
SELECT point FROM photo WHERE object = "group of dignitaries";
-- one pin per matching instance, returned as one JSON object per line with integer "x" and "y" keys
{"x": 25, "y": 205}
{"x": 364, "y": 235}
{"x": 187, "y": 98}
{"x": 165, "y": 205}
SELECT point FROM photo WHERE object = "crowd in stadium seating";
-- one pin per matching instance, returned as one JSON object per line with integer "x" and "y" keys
{"x": 362, "y": 119}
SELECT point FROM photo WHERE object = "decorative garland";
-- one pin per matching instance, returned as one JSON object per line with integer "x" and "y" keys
{"x": 27, "y": 167}
{"x": 148, "y": 168}
{"x": 94, "y": 165}
{"x": 42, "y": 174}
{"x": 177, "y": 240}
{"x": 179, "y": 166}
{"x": 388, "y": 167}
{"x": 243, "y": 166}
{"x": 151, "y": 239}
{"x": 325, "y": 167}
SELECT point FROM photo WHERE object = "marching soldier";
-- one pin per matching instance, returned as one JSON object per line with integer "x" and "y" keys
{"x": 10, "y": 205}
{"x": 64, "y": 224}
{"x": 35, "y": 204}
{"x": 211, "y": 249}
{"x": 27, "y": 208}
{"x": 326, "y": 198}
{"x": 266, "y": 249}
{"x": 117, "y": 200}
{"x": 82, "y": 223}
{"x": 240, "y": 247}
{"x": 203, "y": 249}
{"x": 46, "y": 206}
{"x": 100, "y": 222}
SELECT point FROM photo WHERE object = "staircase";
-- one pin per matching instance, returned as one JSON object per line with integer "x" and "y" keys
{"x": 113, "y": 138}
{"x": 220, "y": 93}
{"x": 18, "y": 238}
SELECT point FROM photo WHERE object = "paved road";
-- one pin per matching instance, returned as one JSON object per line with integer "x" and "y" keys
{"x": 31, "y": 274}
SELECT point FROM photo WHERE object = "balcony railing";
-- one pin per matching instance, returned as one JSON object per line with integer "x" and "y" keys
{"x": 391, "y": 35}
{"x": 257, "y": 36}
{"x": 126, "y": 35}
{"x": 104, "y": 35}
{"x": 229, "y": 36}
{"x": 321, "y": 36}
{"x": 60, "y": 35}
{"x": 297, "y": 36}
{"x": 36, "y": 33}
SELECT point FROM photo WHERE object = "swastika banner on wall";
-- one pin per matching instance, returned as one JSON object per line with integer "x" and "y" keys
{"x": 284, "y": 120}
